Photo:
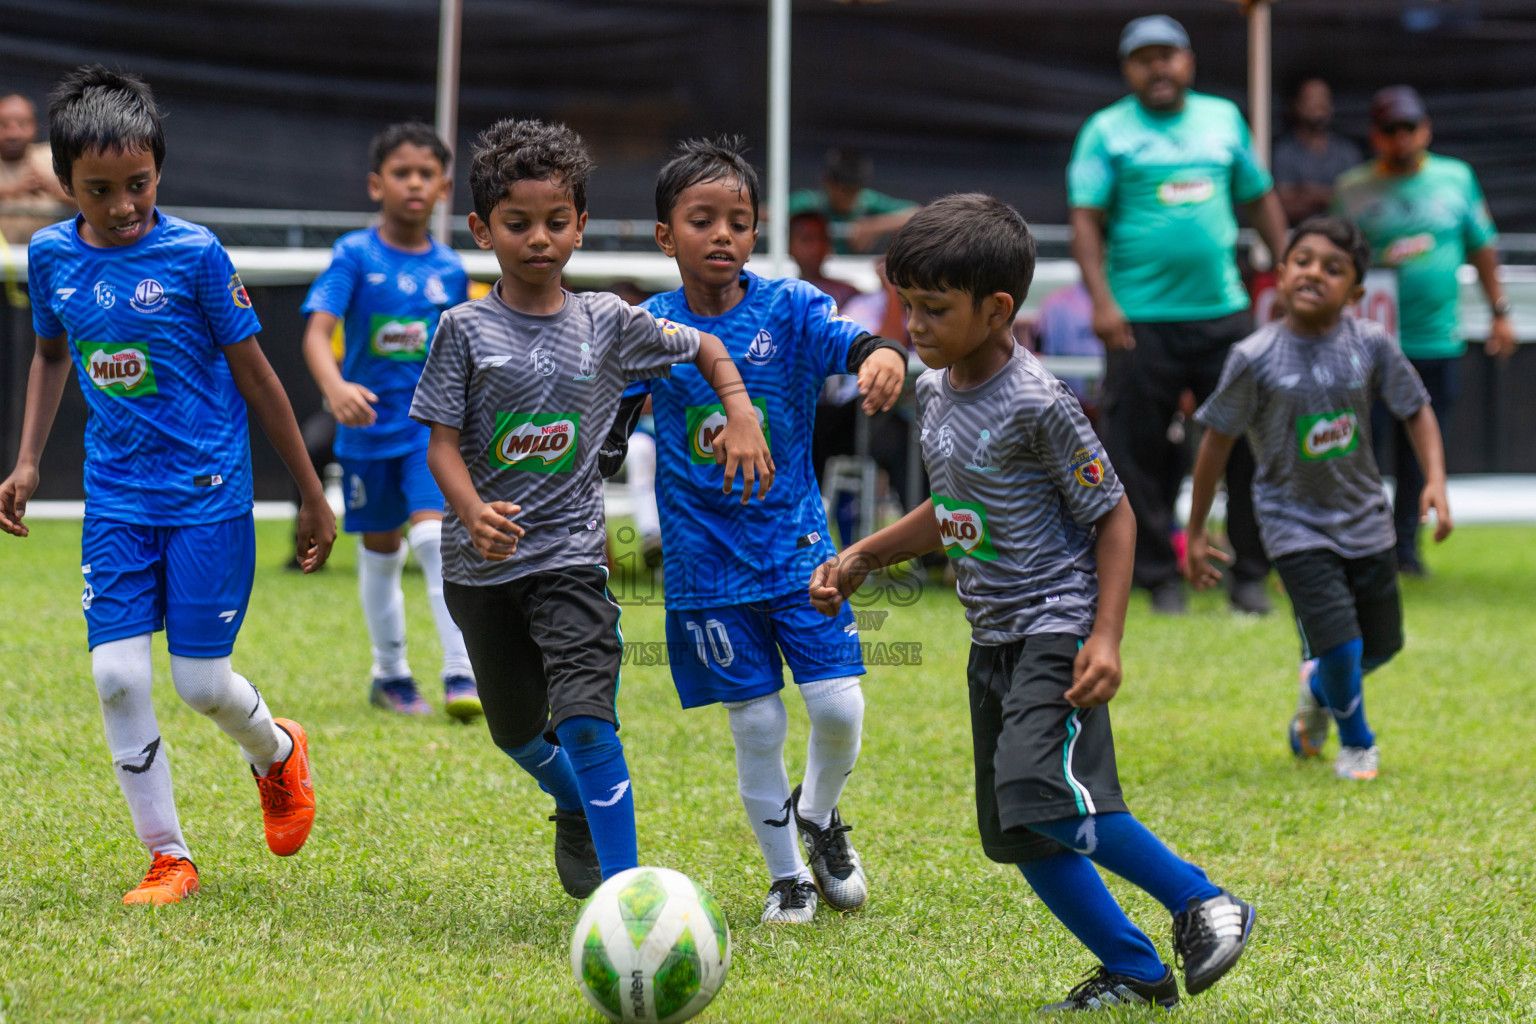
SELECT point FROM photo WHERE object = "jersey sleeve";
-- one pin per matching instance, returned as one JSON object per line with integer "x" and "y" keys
{"x": 333, "y": 289}
{"x": 442, "y": 393}
{"x": 1477, "y": 231}
{"x": 1232, "y": 406}
{"x": 1250, "y": 179}
{"x": 649, "y": 345}
{"x": 878, "y": 203}
{"x": 1393, "y": 377}
{"x": 1090, "y": 172}
{"x": 828, "y": 331}
{"x": 40, "y": 290}
{"x": 1073, "y": 456}
{"x": 225, "y": 303}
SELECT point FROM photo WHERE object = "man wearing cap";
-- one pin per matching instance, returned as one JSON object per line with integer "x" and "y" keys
{"x": 1151, "y": 184}
{"x": 857, "y": 214}
{"x": 1424, "y": 215}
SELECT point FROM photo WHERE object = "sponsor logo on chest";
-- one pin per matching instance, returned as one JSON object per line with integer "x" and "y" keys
{"x": 1405, "y": 249}
{"x": 704, "y": 423}
{"x": 1186, "y": 193}
{"x": 536, "y": 442}
{"x": 963, "y": 528}
{"x": 121, "y": 370}
{"x": 399, "y": 338}
{"x": 1328, "y": 435}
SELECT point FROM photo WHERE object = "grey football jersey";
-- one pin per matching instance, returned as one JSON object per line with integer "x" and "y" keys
{"x": 533, "y": 398}
{"x": 1305, "y": 404}
{"x": 1018, "y": 479}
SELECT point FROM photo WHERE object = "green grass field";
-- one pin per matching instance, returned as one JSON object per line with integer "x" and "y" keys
{"x": 427, "y": 891}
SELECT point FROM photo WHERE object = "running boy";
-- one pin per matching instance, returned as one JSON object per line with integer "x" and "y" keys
{"x": 1301, "y": 389}
{"x": 390, "y": 283}
{"x": 160, "y": 330}
{"x": 519, "y": 390}
{"x": 1043, "y": 541}
{"x": 737, "y": 605}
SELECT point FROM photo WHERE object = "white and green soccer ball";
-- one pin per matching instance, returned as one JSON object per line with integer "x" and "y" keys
{"x": 650, "y": 945}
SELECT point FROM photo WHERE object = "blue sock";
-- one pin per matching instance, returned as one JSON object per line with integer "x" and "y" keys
{"x": 1338, "y": 677}
{"x": 1119, "y": 843}
{"x": 550, "y": 768}
{"x": 1071, "y": 889}
{"x": 597, "y": 758}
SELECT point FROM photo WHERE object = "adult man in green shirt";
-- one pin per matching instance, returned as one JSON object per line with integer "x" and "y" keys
{"x": 857, "y": 214}
{"x": 1424, "y": 216}
{"x": 1152, "y": 180}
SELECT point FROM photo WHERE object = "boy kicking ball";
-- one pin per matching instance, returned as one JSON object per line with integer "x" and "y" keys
{"x": 1043, "y": 541}
{"x": 1301, "y": 389}
{"x": 160, "y": 330}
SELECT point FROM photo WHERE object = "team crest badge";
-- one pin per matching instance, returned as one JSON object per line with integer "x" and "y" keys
{"x": 149, "y": 296}
{"x": 762, "y": 348}
{"x": 237, "y": 292}
{"x": 1087, "y": 467}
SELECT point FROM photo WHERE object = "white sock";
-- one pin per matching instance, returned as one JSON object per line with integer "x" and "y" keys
{"x": 378, "y": 583}
{"x": 836, "y": 707}
{"x": 210, "y": 687}
{"x": 640, "y": 474}
{"x": 759, "y": 727}
{"x": 427, "y": 545}
{"x": 122, "y": 672}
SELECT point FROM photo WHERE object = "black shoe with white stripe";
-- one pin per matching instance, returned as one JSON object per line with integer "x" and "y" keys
{"x": 834, "y": 863}
{"x": 1102, "y": 990}
{"x": 1208, "y": 938}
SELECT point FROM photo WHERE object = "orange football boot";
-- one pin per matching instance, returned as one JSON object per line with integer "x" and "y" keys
{"x": 288, "y": 795}
{"x": 169, "y": 879}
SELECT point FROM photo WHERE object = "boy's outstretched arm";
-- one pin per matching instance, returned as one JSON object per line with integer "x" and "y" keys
{"x": 315, "y": 527}
{"x": 493, "y": 534}
{"x": 45, "y": 386}
{"x": 351, "y": 404}
{"x": 740, "y": 444}
{"x": 1210, "y": 464}
{"x": 914, "y": 534}
{"x": 1096, "y": 672}
{"x": 881, "y": 376}
{"x": 1424, "y": 434}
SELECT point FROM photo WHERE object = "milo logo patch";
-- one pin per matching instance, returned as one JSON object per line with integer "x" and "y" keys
{"x": 704, "y": 423}
{"x": 1328, "y": 436}
{"x": 399, "y": 338}
{"x": 1185, "y": 193}
{"x": 122, "y": 370}
{"x": 963, "y": 528}
{"x": 538, "y": 442}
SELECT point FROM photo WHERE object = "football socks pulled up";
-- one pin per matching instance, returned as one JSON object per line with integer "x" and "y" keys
{"x": 551, "y": 769}
{"x": 836, "y": 711}
{"x": 758, "y": 728}
{"x": 1337, "y": 683}
{"x": 378, "y": 585}
{"x": 1071, "y": 889}
{"x": 122, "y": 671}
{"x": 426, "y": 540}
{"x": 602, "y": 776}
{"x": 1118, "y": 842}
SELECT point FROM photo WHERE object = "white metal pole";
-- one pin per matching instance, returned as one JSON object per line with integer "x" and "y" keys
{"x": 778, "y": 136}
{"x": 449, "y": 32}
{"x": 1259, "y": 103}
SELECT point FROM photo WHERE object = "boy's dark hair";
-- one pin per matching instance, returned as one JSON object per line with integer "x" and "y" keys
{"x": 512, "y": 150}
{"x": 848, "y": 167}
{"x": 699, "y": 162}
{"x": 93, "y": 107}
{"x": 408, "y": 133}
{"x": 968, "y": 242}
{"x": 1342, "y": 232}
{"x": 811, "y": 217}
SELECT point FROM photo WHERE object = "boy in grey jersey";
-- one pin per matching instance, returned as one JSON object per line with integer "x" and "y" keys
{"x": 1301, "y": 390}
{"x": 1043, "y": 541}
{"x": 519, "y": 389}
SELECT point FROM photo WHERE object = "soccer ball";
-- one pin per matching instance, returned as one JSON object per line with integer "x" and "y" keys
{"x": 650, "y": 945}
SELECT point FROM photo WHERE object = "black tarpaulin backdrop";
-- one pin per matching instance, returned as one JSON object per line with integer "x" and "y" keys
{"x": 272, "y": 102}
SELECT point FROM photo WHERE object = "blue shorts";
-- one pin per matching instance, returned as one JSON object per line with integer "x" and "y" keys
{"x": 383, "y": 493}
{"x": 733, "y": 653}
{"x": 192, "y": 581}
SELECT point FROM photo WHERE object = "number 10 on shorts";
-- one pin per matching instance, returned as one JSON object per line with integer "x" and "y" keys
{"x": 711, "y": 639}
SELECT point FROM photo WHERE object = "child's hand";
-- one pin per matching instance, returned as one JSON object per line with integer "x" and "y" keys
{"x": 1433, "y": 497}
{"x": 740, "y": 443}
{"x": 1095, "y": 673}
{"x": 314, "y": 533}
{"x": 14, "y": 492}
{"x": 880, "y": 379}
{"x": 1197, "y": 567}
{"x": 836, "y": 578}
{"x": 494, "y": 535}
{"x": 352, "y": 404}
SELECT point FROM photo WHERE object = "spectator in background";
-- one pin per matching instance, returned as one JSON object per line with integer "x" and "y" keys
{"x": 1151, "y": 185}
{"x": 809, "y": 246}
{"x": 1064, "y": 327}
{"x": 858, "y": 215}
{"x": 1308, "y": 159}
{"x": 1424, "y": 215}
{"x": 30, "y": 194}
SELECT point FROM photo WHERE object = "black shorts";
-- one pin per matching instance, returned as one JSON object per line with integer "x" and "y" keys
{"x": 1038, "y": 758}
{"x": 545, "y": 647}
{"x": 1338, "y": 599}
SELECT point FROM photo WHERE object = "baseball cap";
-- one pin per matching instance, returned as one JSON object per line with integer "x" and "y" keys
{"x": 1398, "y": 104}
{"x": 1153, "y": 30}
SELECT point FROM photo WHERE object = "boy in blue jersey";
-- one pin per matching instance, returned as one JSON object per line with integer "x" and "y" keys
{"x": 736, "y": 575}
{"x": 389, "y": 284}
{"x": 160, "y": 330}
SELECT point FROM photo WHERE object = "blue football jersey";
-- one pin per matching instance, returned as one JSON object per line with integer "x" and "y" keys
{"x": 786, "y": 337}
{"x": 166, "y": 443}
{"x": 389, "y": 301}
